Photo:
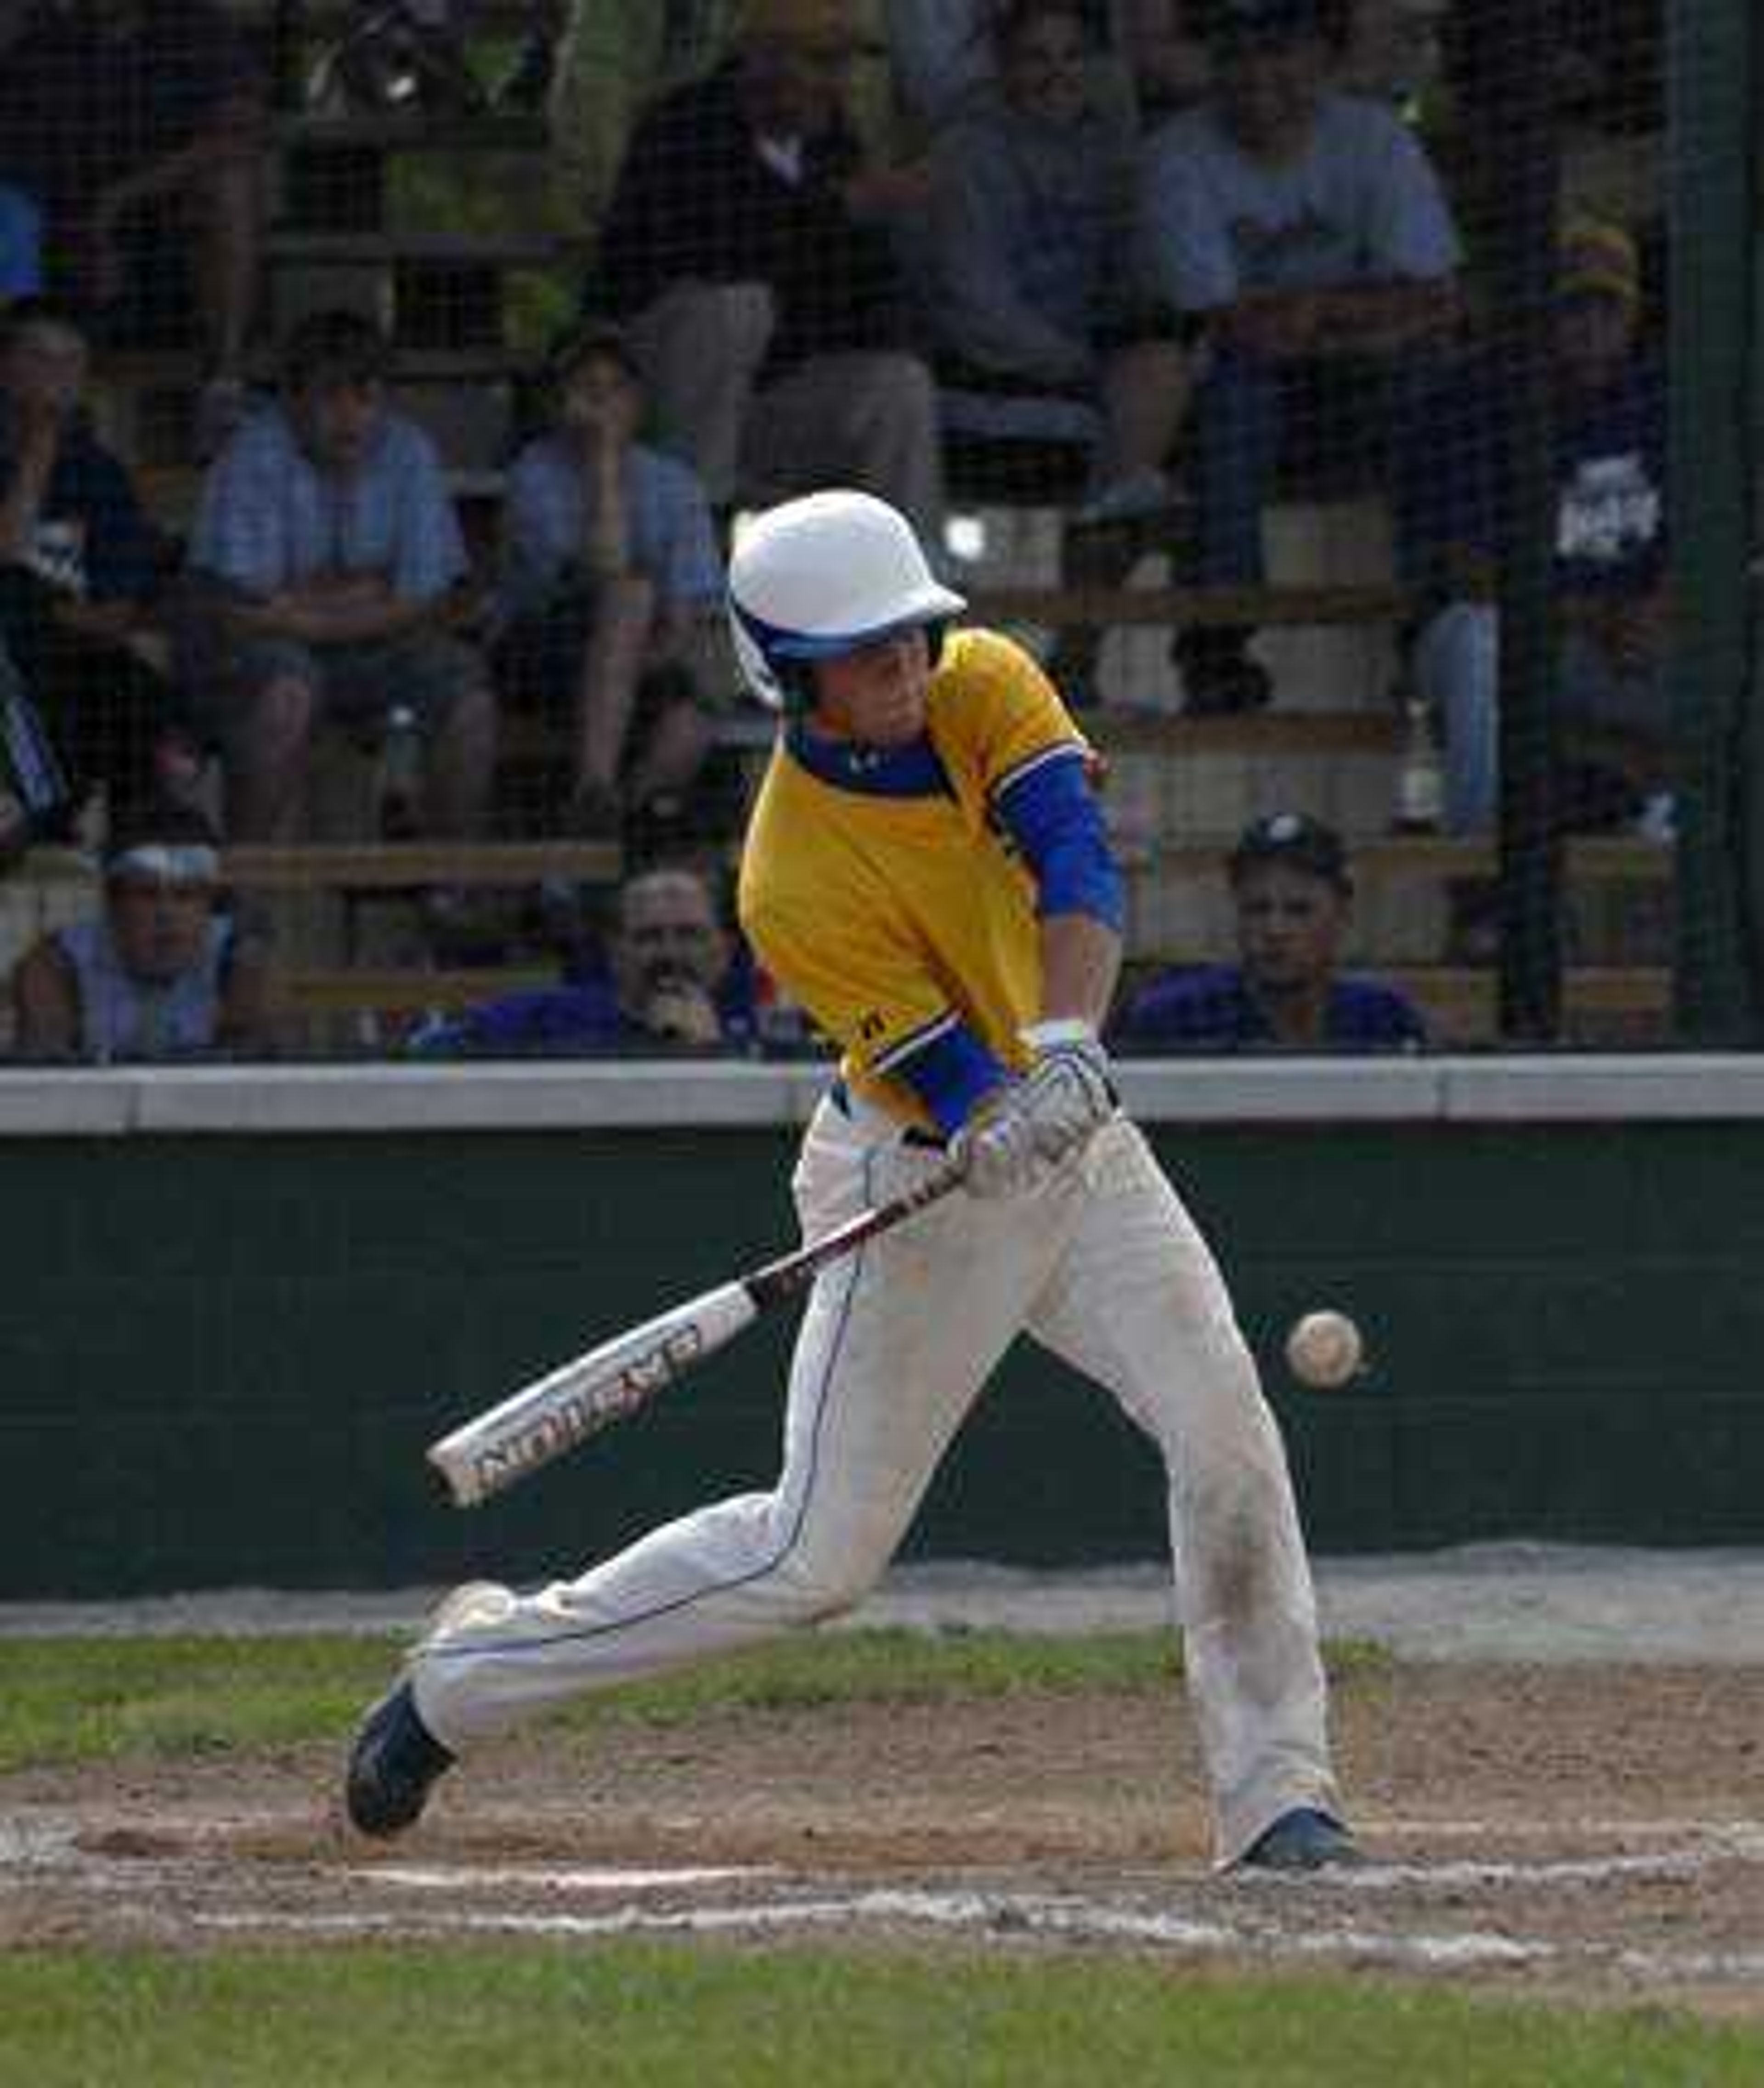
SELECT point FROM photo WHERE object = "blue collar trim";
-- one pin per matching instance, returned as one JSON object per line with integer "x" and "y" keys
{"x": 912, "y": 770}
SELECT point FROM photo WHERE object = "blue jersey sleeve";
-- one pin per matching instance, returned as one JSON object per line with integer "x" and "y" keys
{"x": 950, "y": 1072}
{"x": 1049, "y": 810}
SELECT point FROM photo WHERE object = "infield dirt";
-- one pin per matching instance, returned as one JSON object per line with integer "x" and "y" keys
{"x": 1595, "y": 1830}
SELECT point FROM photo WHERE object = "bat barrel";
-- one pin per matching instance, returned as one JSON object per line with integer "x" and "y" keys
{"x": 554, "y": 1412}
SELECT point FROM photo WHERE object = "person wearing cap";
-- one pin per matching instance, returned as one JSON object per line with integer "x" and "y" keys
{"x": 326, "y": 579}
{"x": 746, "y": 247}
{"x": 1300, "y": 237}
{"x": 611, "y": 588}
{"x": 1292, "y": 893}
{"x": 1611, "y": 476}
{"x": 159, "y": 974}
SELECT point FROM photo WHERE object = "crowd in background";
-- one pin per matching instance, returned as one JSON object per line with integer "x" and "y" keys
{"x": 1179, "y": 254}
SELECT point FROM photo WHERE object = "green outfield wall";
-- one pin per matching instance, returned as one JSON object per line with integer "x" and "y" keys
{"x": 231, "y": 1324}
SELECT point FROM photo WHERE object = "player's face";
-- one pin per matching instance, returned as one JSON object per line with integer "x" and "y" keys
{"x": 1290, "y": 925}
{"x": 159, "y": 926}
{"x": 45, "y": 368}
{"x": 877, "y": 694}
{"x": 1593, "y": 336}
{"x": 601, "y": 395}
{"x": 1044, "y": 67}
{"x": 792, "y": 91}
{"x": 1269, "y": 92}
{"x": 667, "y": 925}
{"x": 339, "y": 416}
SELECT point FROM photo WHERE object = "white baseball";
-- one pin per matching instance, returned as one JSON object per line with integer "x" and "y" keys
{"x": 1324, "y": 1349}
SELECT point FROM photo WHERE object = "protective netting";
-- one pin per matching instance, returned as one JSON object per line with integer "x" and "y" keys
{"x": 1302, "y": 379}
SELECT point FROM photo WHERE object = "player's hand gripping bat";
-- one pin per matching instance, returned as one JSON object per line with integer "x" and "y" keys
{"x": 495, "y": 1449}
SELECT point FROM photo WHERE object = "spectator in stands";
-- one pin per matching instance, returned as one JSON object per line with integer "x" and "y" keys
{"x": 746, "y": 247}
{"x": 328, "y": 580}
{"x": 612, "y": 586}
{"x": 673, "y": 976}
{"x": 1028, "y": 290}
{"x": 1612, "y": 478}
{"x": 21, "y": 244}
{"x": 1302, "y": 237}
{"x": 77, "y": 576}
{"x": 1293, "y": 891}
{"x": 138, "y": 128}
{"x": 159, "y": 974}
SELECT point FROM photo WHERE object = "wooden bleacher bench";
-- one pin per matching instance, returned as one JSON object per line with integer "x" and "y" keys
{"x": 124, "y": 370}
{"x": 362, "y": 990}
{"x": 1460, "y": 1003}
{"x": 404, "y": 866}
{"x": 1617, "y": 858}
{"x": 349, "y": 866}
{"x": 496, "y": 131}
{"x": 1255, "y": 607}
{"x": 297, "y": 248}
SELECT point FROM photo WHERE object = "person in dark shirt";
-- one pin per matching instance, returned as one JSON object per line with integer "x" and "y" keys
{"x": 138, "y": 129}
{"x": 1611, "y": 539}
{"x": 1293, "y": 891}
{"x": 76, "y": 569}
{"x": 746, "y": 248}
{"x": 674, "y": 977}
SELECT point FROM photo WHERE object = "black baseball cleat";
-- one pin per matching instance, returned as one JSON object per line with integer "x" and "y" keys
{"x": 1304, "y": 1839}
{"x": 394, "y": 1762}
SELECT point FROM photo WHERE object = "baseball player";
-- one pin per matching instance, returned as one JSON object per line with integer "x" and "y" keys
{"x": 927, "y": 871}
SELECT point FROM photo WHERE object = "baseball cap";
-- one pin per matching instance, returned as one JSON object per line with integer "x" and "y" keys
{"x": 589, "y": 337}
{"x": 815, "y": 25}
{"x": 1234, "y": 22}
{"x": 1598, "y": 258}
{"x": 1295, "y": 839}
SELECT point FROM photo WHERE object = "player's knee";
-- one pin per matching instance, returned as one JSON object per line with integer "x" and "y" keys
{"x": 827, "y": 1580}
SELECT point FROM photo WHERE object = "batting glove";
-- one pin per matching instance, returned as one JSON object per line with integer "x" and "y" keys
{"x": 996, "y": 1150}
{"x": 1067, "y": 1091}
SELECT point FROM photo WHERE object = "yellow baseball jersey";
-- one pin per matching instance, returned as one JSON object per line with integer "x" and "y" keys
{"x": 890, "y": 914}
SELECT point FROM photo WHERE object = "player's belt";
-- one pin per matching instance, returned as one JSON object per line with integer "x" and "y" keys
{"x": 915, "y": 1134}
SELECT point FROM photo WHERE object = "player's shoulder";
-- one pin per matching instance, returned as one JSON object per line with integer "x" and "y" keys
{"x": 1375, "y": 1011}
{"x": 1357, "y": 124}
{"x": 975, "y": 652}
{"x": 984, "y": 671}
{"x": 1190, "y": 1003}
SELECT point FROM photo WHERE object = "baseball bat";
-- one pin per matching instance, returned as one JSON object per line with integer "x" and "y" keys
{"x": 508, "y": 1442}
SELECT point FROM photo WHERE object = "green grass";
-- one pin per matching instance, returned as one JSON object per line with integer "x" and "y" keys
{"x": 64, "y": 1700}
{"x": 661, "y": 2015}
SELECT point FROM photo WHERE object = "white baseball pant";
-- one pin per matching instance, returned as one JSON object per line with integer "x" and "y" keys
{"x": 1102, "y": 1264}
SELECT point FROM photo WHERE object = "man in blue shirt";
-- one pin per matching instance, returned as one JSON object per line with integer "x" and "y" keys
{"x": 1293, "y": 891}
{"x": 674, "y": 978}
{"x": 1303, "y": 236}
{"x": 611, "y": 590}
{"x": 327, "y": 575}
{"x": 1610, "y": 537}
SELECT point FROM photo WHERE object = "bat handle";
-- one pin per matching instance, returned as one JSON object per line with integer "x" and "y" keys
{"x": 795, "y": 1271}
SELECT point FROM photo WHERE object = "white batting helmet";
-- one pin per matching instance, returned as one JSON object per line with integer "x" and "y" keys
{"x": 823, "y": 576}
